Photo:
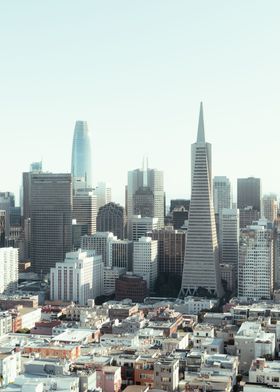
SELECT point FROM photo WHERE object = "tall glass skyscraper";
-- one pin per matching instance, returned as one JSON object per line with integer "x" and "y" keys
{"x": 81, "y": 157}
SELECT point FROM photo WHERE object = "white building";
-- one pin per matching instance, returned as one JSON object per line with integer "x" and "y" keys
{"x": 221, "y": 193}
{"x": 78, "y": 278}
{"x": 110, "y": 276}
{"x": 145, "y": 262}
{"x": 229, "y": 236}
{"x": 99, "y": 242}
{"x": 166, "y": 374}
{"x": 270, "y": 207}
{"x": 265, "y": 372}
{"x": 141, "y": 225}
{"x": 9, "y": 269}
{"x": 10, "y": 367}
{"x": 193, "y": 305}
{"x": 103, "y": 194}
{"x": 5, "y": 323}
{"x": 255, "y": 269}
{"x": 251, "y": 342}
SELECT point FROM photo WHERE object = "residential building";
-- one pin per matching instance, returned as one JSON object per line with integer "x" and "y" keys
{"x": 201, "y": 262}
{"x": 255, "y": 269}
{"x": 166, "y": 374}
{"x": 10, "y": 367}
{"x": 9, "y": 267}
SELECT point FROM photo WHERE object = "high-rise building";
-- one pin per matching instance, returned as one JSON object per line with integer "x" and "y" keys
{"x": 103, "y": 194}
{"x": 131, "y": 286}
{"x": 221, "y": 193}
{"x": 110, "y": 276}
{"x": 171, "y": 249}
{"x": 270, "y": 207}
{"x": 100, "y": 243}
{"x": 178, "y": 203}
{"x": 229, "y": 236}
{"x": 201, "y": 262}
{"x": 81, "y": 168}
{"x": 247, "y": 216}
{"x": 85, "y": 211}
{"x": 9, "y": 270}
{"x": 249, "y": 193}
{"x": 255, "y": 270}
{"x": 79, "y": 278}
{"x": 120, "y": 253}
{"x": 2, "y": 228}
{"x": 145, "y": 195}
{"x": 141, "y": 225}
{"x": 7, "y": 202}
{"x": 111, "y": 217}
{"x": 48, "y": 205}
{"x": 145, "y": 262}
{"x": 179, "y": 217}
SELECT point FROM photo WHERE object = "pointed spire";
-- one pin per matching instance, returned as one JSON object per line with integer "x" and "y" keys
{"x": 200, "y": 131}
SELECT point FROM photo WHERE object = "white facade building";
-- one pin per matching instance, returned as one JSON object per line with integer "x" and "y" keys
{"x": 9, "y": 269}
{"x": 99, "y": 242}
{"x": 145, "y": 259}
{"x": 141, "y": 225}
{"x": 255, "y": 269}
{"x": 78, "y": 278}
{"x": 110, "y": 276}
{"x": 10, "y": 367}
{"x": 270, "y": 207}
{"x": 103, "y": 194}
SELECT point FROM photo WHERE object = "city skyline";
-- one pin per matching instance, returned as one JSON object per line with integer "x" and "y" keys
{"x": 141, "y": 80}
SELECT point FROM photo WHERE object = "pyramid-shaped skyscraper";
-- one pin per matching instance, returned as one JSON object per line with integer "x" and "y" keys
{"x": 201, "y": 262}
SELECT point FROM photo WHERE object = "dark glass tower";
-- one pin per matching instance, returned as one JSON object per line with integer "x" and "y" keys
{"x": 81, "y": 157}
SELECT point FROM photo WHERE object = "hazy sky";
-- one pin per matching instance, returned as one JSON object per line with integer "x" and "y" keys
{"x": 136, "y": 70}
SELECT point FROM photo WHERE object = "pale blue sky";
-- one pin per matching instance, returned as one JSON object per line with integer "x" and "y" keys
{"x": 136, "y": 70}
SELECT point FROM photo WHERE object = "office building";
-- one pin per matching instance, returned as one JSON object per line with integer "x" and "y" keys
{"x": 201, "y": 262}
{"x": 81, "y": 168}
{"x": 110, "y": 276}
{"x": 179, "y": 203}
{"x": 103, "y": 194}
{"x": 270, "y": 207}
{"x": 9, "y": 270}
{"x": 48, "y": 209}
{"x": 145, "y": 260}
{"x": 249, "y": 193}
{"x": 2, "y": 228}
{"x": 111, "y": 217}
{"x": 221, "y": 193}
{"x": 171, "y": 250}
{"x": 179, "y": 217}
{"x": 7, "y": 203}
{"x": 85, "y": 211}
{"x": 141, "y": 225}
{"x": 229, "y": 236}
{"x": 145, "y": 195}
{"x": 100, "y": 243}
{"x": 255, "y": 269}
{"x": 78, "y": 279}
{"x": 247, "y": 216}
{"x": 120, "y": 253}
